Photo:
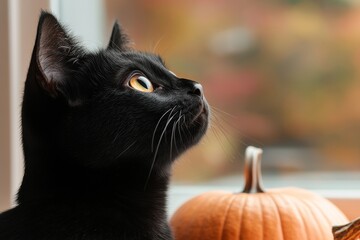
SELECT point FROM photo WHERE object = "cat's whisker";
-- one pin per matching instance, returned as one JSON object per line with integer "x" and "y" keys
{"x": 178, "y": 122}
{"x": 220, "y": 134}
{"x": 215, "y": 109}
{"x": 187, "y": 130}
{"x": 157, "y": 125}
{"x": 180, "y": 133}
{"x": 218, "y": 138}
{"x": 156, "y": 151}
{"x": 221, "y": 125}
{"x": 223, "y": 131}
{"x": 170, "y": 115}
{"x": 176, "y": 125}
{"x": 126, "y": 149}
{"x": 158, "y": 43}
{"x": 183, "y": 125}
{"x": 172, "y": 139}
{"x": 222, "y": 137}
{"x": 116, "y": 136}
{"x": 223, "y": 117}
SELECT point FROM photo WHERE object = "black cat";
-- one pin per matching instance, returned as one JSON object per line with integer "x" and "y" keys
{"x": 100, "y": 132}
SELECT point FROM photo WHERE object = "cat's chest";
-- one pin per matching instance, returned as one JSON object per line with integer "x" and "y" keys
{"x": 60, "y": 224}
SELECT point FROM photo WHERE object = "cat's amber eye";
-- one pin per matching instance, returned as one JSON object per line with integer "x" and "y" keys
{"x": 141, "y": 83}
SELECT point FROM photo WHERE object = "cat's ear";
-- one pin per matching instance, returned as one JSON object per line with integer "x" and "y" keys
{"x": 118, "y": 40}
{"x": 56, "y": 57}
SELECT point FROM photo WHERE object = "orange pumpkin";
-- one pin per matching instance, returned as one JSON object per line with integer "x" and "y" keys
{"x": 255, "y": 214}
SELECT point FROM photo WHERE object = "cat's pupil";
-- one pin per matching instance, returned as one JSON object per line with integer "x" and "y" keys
{"x": 143, "y": 83}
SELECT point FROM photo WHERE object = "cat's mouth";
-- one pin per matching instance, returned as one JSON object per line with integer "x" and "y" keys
{"x": 203, "y": 113}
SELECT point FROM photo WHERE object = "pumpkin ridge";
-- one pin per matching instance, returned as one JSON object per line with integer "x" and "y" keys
{"x": 241, "y": 210}
{"x": 272, "y": 197}
{"x": 262, "y": 219}
{"x": 226, "y": 214}
{"x": 208, "y": 202}
{"x": 242, "y": 217}
{"x": 338, "y": 214}
{"x": 294, "y": 202}
{"x": 284, "y": 209}
{"x": 301, "y": 211}
{"x": 196, "y": 202}
{"x": 318, "y": 212}
{"x": 263, "y": 199}
{"x": 321, "y": 211}
{"x": 333, "y": 216}
{"x": 275, "y": 211}
{"x": 314, "y": 207}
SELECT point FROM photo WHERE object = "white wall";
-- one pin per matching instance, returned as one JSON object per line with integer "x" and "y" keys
{"x": 18, "y": 28}
{"x": 4, "y": 109}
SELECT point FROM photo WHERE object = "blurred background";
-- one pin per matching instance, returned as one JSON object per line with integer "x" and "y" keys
{"x": 283, "y": 75}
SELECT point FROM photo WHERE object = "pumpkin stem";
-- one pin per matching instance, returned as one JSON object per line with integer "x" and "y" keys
{"x": 252, "y": 171}
{"x": 348, "y": 231}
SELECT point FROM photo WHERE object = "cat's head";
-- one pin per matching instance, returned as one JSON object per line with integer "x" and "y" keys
{"x": 113, "y": 106}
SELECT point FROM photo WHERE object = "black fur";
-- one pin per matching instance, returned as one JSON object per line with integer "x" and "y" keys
{"x": 98, "y": 153}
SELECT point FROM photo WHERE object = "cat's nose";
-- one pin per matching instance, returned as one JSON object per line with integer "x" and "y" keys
{"x": 197, "y": 90}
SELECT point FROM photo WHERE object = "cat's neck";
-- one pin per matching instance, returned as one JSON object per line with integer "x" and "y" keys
{"x": 78, "y": 183}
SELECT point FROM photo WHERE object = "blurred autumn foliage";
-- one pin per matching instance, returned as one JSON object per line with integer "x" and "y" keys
{"x": 282, "y": 74}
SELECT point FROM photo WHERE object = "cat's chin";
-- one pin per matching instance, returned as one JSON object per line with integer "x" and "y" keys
{"x": 203, "y": 115}
{"x": 200, "y": 125}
